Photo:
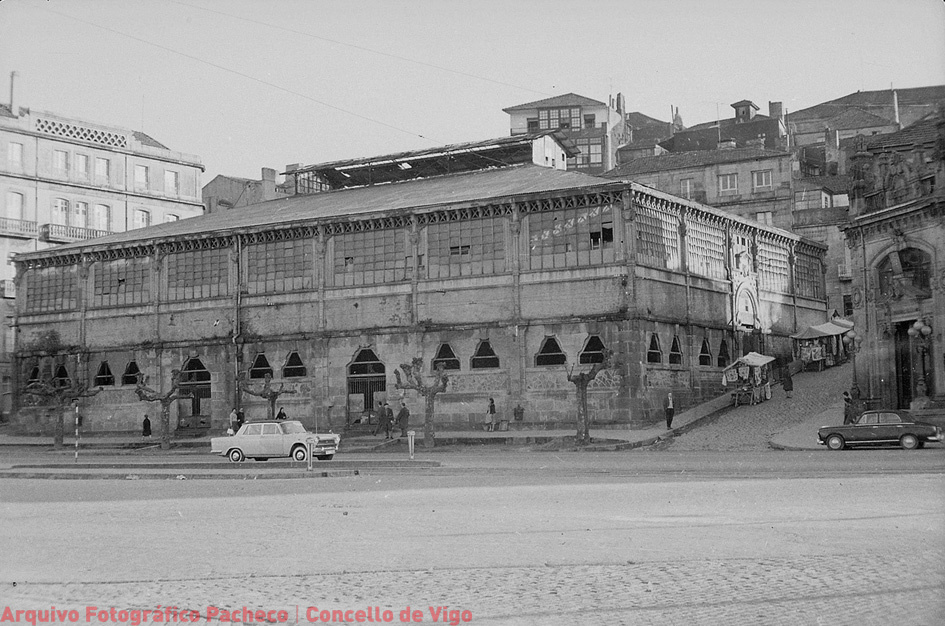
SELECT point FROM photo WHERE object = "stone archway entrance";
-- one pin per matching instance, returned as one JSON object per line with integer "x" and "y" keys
{"x": 366, "y": 379}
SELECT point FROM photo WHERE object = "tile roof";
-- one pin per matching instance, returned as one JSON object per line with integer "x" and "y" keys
{"x": 426, "y": 193}
{"x": 685, "y": 160}
{"x": 925, "y": 131}
{"x": 568, "y": 99}
{"x": 639, "y": 120}
{"x": 841, "y": 183}
{"x": 877, "y": 101}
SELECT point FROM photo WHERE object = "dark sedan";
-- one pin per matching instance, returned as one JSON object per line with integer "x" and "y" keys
{"x": 885, "y": 426}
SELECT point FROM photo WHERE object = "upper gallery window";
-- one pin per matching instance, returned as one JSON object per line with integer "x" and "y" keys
{"x": 761, "y": 179}
{"x": 446, "y": 357}
{"x": 142, "y": 177}
{"x": 593, "y": 351}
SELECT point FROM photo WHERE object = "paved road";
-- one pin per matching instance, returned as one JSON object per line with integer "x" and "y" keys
{"x": 623, "y": 538}
{"x": 752, "y": 427}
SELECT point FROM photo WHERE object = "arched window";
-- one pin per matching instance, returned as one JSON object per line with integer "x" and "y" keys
{"x": 705, "y": 354}
{"x": 294, "y": 368}
{"x": 485, "y": 357}
{"x": 104, "y": 375}
{"x": 675, "y": 353}
{"x": 654, "y": 354}
{"x": 61, "y": 379}
{"x": 446, "y": 357}
{"x": 260, "y": 367}
{"x": 194, "y": 372}
{"x": 130, "y": 377}
{"x": 34, "y": 376}
{"x": 723, "y": 354}
{"x": 550, "y": 353}
{"x": 916, "y": 268}
{"x": 366, "y": 362}
{"x": 593, "y": 351}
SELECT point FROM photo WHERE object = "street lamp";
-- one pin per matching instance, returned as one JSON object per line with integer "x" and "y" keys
{"x": 921, "y": 334}
{"x": 854, "y": 342}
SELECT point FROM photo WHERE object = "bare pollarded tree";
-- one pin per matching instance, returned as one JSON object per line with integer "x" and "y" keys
{"x": 581, "y": 382}
{"x": 267, "y": 393}
{"x": 413, "y": 379}
{"x": 57, "y": 394}
{"x": 146, "y": 394}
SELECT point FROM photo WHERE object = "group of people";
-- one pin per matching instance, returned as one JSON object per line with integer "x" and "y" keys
{"x": 386, "y": 420}
{"x": 236, "y": 421}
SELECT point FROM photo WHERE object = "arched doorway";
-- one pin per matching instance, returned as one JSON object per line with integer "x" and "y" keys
{"x": 194, "y": 412}
{"x": 366, "y": 379}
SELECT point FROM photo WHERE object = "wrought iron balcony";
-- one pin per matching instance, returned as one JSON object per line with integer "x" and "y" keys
{"x": 58, "y": 233}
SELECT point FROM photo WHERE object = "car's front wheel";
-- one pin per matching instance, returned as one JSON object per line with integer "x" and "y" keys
{"x": 236, "y": 455}
{"x": 909, "y": 442}
{"x": 835, "y": 442}
{"x": 299, "y": 454}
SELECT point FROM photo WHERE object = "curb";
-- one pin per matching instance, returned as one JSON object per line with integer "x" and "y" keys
{"x": 171, "y": 476}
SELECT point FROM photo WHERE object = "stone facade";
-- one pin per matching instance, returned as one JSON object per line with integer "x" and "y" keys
{"x": 896, "y": 239}
{"x": 511, "y": 277}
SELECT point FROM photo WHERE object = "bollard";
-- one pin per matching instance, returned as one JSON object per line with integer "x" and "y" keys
{"x": 411, "y": 436}
{"x": 311, "y": 449}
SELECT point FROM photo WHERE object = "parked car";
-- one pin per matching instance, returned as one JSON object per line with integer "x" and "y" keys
{"x": 272, "y": 439}
{"x": 884, "y": 426}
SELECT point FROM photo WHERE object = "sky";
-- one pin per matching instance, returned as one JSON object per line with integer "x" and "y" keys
{"x": 247, "y": 84}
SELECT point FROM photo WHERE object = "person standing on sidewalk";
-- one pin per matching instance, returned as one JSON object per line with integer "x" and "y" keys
{"x": 403, "y": 416}
{"x": 669, "y": 410}
{"x": 788, "y": 382}
{"x": 490, "y": 411}
{"x": 145, "y": 427}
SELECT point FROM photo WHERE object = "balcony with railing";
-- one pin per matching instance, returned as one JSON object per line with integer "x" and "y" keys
{"x": 60, "y": 233}
{"x": 18, "y": 228}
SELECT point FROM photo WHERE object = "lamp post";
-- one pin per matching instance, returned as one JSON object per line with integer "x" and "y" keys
{"x": 921, "y": 334}
{"x": 854, "y": 342}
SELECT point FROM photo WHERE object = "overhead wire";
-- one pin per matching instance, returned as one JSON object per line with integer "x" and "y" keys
{"x": 259, "y": 80}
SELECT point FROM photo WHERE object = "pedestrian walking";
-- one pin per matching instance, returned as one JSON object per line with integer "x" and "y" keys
{"x": 788, "y": 383}
{"x": 146, "y": 427}
{"x": 240, "y": 419}
{"x": 490, "y": 411}
{"x": 385, "y": 420}
{"x": 849, "y": 409}
{"x": 403, "y": 416}
{"x": 669, "y": 410}
{"x": 234, "y": 422}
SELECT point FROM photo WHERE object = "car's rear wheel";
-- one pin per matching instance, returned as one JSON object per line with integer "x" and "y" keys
{"x": 909, "y": 442}
{"x": 236, "y": 455}
{"x": 324, "y": 457}
{"x": 835, "y": 442}
{"x": 299, "y": 453}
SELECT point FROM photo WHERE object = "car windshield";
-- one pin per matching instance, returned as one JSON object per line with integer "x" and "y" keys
{"x": 293, "y": 428}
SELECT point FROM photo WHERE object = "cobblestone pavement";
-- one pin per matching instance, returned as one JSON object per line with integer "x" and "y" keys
{"x": 857, "y": 589}
{"x": 751, "y": 427}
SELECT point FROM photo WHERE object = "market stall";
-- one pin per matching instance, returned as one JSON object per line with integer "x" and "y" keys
{"x": 751, "y": 376}
{"x": 820, "y": 346}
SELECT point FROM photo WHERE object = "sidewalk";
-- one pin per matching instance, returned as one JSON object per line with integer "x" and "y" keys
{"x": 605, "y": 438}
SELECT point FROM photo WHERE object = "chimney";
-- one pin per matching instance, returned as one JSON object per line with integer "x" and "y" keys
{"x": 756, "y": 142}
{"x": 831, "y": 152}
{"x": 775, "y": 110}
{"x": 14, "y": 105}
{"x": 896, "y": 108}
{"x": 268, "y": 183}
{"x": 727, "y": 144}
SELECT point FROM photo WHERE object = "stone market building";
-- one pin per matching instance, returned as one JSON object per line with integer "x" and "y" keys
{"x": 508, "y": 275}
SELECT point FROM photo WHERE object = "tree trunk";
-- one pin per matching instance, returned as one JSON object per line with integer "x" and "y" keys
{"x": 60, "y": 429}
{"x": 428, "y": 440}
{"x": 271, "y": 407}
{"x": 165, "y": 426}
{"x": 583, "y": 423}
